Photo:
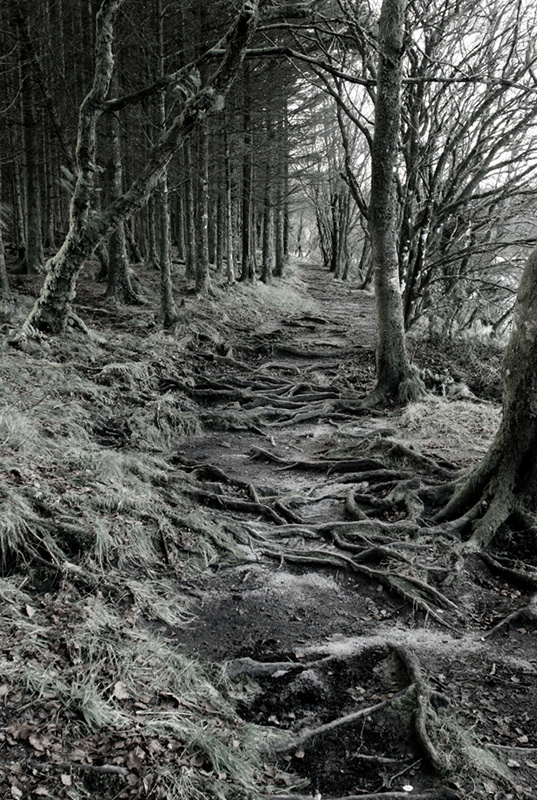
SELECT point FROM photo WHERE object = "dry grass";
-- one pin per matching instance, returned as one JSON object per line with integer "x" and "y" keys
{"x": 458, "y": 430}
{"x": 93, "y": 534}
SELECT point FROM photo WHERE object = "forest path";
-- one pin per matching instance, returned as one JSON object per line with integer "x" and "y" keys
{"x": 241, "y": 620}
{"x": 330, "y": 613}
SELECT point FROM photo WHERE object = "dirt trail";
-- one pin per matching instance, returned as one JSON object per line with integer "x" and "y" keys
{"x": 330, "y": 632}
{"x": 260, "y": 609}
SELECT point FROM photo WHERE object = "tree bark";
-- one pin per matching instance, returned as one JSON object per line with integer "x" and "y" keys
{"x": 230, "y": 232}
{"x": 168, "y": 310}
{"x": 190, "y": 214}
{"x": 396, "y": 380}
{"x": 202, "y": 221}
{"x": 33, "y": 257}
{"x": 119, "y": 288}
{"x": 248, "y": 233}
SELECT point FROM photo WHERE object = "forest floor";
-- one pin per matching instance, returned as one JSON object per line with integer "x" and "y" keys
{"x": 214, "y": 581}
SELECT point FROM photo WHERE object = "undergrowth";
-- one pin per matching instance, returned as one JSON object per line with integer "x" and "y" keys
{"x": 99, "y": 549}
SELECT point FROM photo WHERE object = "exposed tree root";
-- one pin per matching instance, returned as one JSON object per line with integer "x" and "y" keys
{"x": 526, "y": 613}
{"x": 408, "y": 587}
{"x": 261, "y": 453}
{"x": 423, "y": 707}
{"x": 235, "y": 503}
{"x": 439, "y": 793}
{"x": 352, "y": 508}
{"x": 264, "y": 669}
{"x": 502, "y": 566}
{"x": 287, "y": 745}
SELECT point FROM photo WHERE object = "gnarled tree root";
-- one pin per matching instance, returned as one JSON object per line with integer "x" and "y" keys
{"x": 408, "y": 587}
{"x": 287, "y": 745}
{"x": 423, "y": 707}
{"x": 527, "y": 612}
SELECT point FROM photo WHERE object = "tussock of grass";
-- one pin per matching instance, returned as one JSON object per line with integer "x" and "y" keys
{"x": 131, "y": 375}
{"x": 465, "y": 757}
{"x": 159, "y": 600}
{"x": 19, "y": 433}
{"x": 113, "y": 678}
{"x": 166, "y": 419}
{"x": 451, "y": 428}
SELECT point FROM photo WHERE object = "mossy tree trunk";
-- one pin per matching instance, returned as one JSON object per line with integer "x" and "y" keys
{"x": 395, "y": 378}
{"x": 86, "y": 227}
{"x": 504, "y": 484}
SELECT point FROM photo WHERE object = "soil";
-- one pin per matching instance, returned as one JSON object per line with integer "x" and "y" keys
{"x": 333, "y": 634}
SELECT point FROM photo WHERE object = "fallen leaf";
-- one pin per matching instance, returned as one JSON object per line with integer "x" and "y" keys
{"x": 299, "y": 753}
{"x": 66, "y": 779}
{"x": 22, "y": 730}
{"x": 30, "y": 611}
{"x": 36, "y": 743}
{"x": 121, "y": 691}
{"x": 16, "y": 793}
{"x": 523, "y": 739}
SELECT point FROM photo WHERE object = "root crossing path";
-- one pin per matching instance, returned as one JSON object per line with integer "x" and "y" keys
{"x": 369, "y": 658}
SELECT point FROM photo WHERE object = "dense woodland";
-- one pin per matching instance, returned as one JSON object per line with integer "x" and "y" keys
{"x": 174, "y": 176}
{"x": 285, "y": 163}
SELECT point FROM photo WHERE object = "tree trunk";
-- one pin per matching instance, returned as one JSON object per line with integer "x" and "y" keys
{"x": 396, "y": 380}
{"x": 248, "y": 247}
{"x": 504, "y": 483}
{"x": 190, "y": 215}
{"x": 119, "y": 288}
{"x": 168, "y": 310}
{"x": 202, "y": 221}
{"x": 230, "y": 237}
{"x": 268, "y": 232}
{"x": 34, "y": 257}
{"x": 5, "y": 289}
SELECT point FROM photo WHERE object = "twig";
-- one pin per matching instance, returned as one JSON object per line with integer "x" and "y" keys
{"x": 104, "y": 769}
{"x": 290, "y": 744}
